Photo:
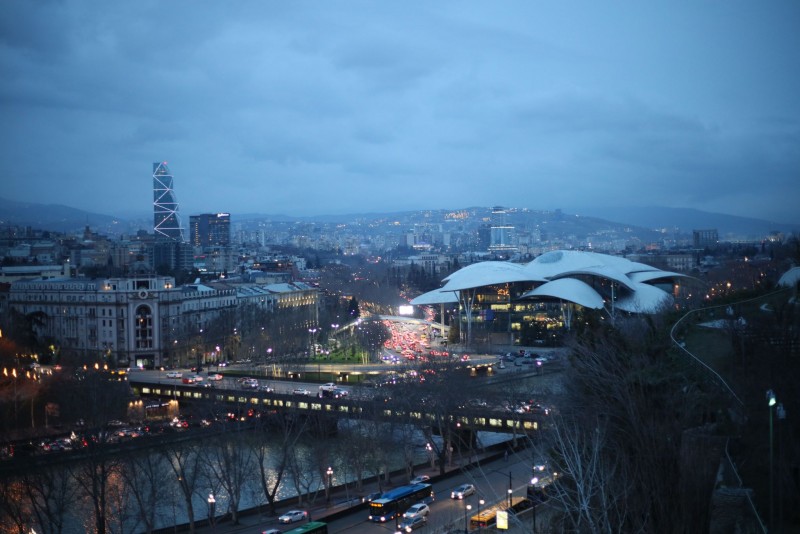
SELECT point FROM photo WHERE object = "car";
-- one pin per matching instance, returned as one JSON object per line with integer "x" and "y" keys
{"x": 174, "y": 374}
{"x": 462, "y": 491}
{"x": 413, "y": 522}
{"x": 266, "y": 389}
{"x": 188, "y": 380}
{"x": 197, "y": 378}
{"x": 420, "y": 479}
{"x": 292, "y": 516}
{"x": 329, "y": 386}
{"x": 372, "y": 496}
{"x": 215, "y": 377}
{"x": 301, "y": 391}
{"x": 204, "y": 384}
{"x": 418, "y": 510}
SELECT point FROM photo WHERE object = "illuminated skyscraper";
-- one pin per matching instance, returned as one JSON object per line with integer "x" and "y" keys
{"x": 502, "y": 233}
{"x": 166, "y": 223}
{"x": 210, "y": 230}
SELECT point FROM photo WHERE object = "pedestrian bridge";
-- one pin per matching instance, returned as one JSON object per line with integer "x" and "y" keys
{"x": 377, "y": 408}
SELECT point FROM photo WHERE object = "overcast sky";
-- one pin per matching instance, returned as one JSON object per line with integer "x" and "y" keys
{"x": 308, "y": 108}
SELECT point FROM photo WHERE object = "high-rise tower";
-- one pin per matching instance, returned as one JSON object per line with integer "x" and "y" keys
{"x": 210, "y": 230}
{"x": 166, "y": 223}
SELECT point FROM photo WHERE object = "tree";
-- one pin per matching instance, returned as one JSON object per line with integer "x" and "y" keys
{"x": 185, "y": 462}
{"x": 353, "y": 311}
{"x": 271, "y": 465}
{"x": 228, "y": 466}
{"x": 618, "y": 442}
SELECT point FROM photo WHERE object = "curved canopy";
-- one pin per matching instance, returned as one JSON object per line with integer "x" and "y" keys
{"x": 569, "y": 289}
{"x": 436, "y": 296}
{"x": 790, "y": 277}
{"x": 568, "y": 267}
{"x": 486, "y": 273}
{"x": 648, "y": 276}
{"x": 645, "y": 299}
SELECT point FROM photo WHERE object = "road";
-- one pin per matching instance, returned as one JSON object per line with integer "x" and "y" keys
{"x": 491, "y": 478}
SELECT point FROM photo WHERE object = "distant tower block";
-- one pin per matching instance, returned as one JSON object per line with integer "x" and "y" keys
{"x": 502, "y": 234}
{"x": 166, "y": 222}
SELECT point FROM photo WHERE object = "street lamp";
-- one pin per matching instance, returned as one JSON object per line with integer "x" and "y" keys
{"x": 467, "y": 507}
{"x": 212, "y": 502}
{"x": 534, "y": 481}
{"x": 480, "y": 519}
{"x": 510, "y": 489}
{"x": 771, "y": 400}
{"x": 429, "y": 448}
{"x": 329, "y": 472}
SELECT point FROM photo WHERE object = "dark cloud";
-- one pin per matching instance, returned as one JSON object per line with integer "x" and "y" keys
{"x": 359, "y": 106}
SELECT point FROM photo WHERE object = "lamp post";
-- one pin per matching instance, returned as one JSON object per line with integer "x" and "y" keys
{"x": 481, "y": 502}
{"x": 771, "y": 400}
{"x": 510, "y": 489}
{"x": 329, "y": 472}
{"x": 212, "y": 502}
{"x": 781, "y": 413}
{"x": 429, "y": 448}
{"x": 534, "y": 481}
{"x": 467, "y": 507}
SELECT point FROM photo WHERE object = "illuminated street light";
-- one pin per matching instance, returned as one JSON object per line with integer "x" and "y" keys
{"x": 212, "y": 502}
{"x": 329, "y": 472}
{"x": 771, "y": 400}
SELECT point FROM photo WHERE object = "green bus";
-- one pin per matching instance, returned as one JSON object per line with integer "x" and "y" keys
{"x": 313, "y": 527}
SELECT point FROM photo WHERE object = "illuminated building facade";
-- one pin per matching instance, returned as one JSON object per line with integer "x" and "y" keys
{"x": 210, "y": 230}
{"x": 166, "y": 222}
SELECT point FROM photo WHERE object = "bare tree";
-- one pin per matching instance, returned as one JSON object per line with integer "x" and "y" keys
{"x": 184, "y": 459}
{"x": 52, "y": 495}
{"x": 14, "y": 510}
{"x": 228, "y": 465}
{"x": 148, "y": 484}
{"x": 618, "y": 442}
{"x": 271, "y": 465}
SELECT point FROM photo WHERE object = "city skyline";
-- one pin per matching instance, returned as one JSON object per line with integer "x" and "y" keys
{"x": 312, "y": 109}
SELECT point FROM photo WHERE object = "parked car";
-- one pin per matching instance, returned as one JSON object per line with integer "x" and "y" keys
{"x": 420, "y": 479}
{"x": 418, "y": 510}
{"x": 411, "y": 523}
{"x": 292, "y": 516}
{"x": 462, "y": 491}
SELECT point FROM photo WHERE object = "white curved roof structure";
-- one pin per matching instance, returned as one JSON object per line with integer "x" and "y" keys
{"x": 645, "y": 299}
{"x": 588, "y": 279}
{"x": 487, "y": 273}
{"x": 790, "y": 277}
{"x": 569, "y": 289}
{"x": 437, "y": 296}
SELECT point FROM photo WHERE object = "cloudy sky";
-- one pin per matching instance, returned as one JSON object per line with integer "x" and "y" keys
{"x": 324, "y": 107}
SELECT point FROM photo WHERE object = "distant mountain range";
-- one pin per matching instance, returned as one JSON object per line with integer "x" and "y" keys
{"x": 61, "y": 218}
{"x": 685, "y": 220}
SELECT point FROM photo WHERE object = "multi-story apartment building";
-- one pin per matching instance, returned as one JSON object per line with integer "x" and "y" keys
{"x": 143, "y": 321}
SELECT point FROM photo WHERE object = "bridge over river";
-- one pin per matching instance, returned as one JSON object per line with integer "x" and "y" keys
{"x": 384, "y": 404}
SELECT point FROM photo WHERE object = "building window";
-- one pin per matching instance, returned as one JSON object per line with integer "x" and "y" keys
{"x": 144, "y": 328}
